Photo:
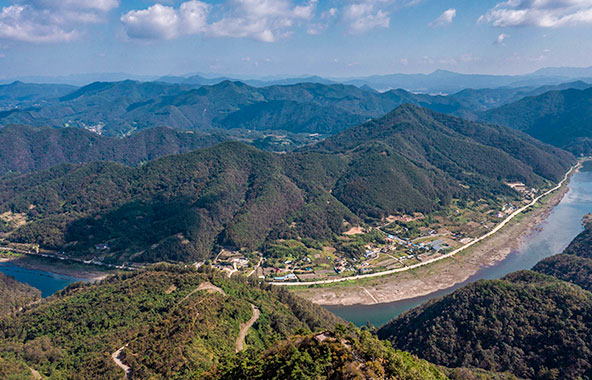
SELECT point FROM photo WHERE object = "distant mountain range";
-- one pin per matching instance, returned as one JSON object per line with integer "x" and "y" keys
{"x": 183, "y": 206}
{"x": 439, "y": 81}
{"x": 27, "y": 149}
{"x": 560, "y": 118}
{"x": 119, "y": 108}
{"x": 19, "y": 94}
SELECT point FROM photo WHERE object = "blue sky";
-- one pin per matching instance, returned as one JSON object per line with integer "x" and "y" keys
{"x": 292, "y": 37}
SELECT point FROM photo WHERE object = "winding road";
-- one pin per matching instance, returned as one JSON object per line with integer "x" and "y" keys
{"x": 244, "y": 328}
{"x": 119, "y": 363}
{"x": 446, "y": 256}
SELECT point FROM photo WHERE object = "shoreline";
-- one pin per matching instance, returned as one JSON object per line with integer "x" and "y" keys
{"x": 53, "y": 266}
{"x": 439, "y": 275}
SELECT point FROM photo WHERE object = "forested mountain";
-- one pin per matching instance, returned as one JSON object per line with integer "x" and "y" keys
{"x": 343, "y": 354}
{"x": 575, "y": 263}
{"x": 483, "y": 99}
{"x": 19, "y": 94}
{"x": 560, "y": 118}
{"x": 181, "y": 207}
{"x": 531, "y": 324}
{"x": 174, "y": 322}
{"x": 15, "y": 294}
{"x": 28, "y": 149}
{"x": 121, "y": 107}
{"x": 178, "y": 322}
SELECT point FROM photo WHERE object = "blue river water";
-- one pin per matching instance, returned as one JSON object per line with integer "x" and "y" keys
{"x": 47, "y": 282}
{"x": 563, "y": 224}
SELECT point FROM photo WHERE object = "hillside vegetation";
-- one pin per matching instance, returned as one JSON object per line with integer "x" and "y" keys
{"x": 170, "y": 326}
{"x": 343, "y": 354}
{"x": 121, "y": 107}
{"x": 177, "y": 322}
{"x": 181, "y": 207}
{"x": 560, "y": 118}
{"x": 532, "y": 325}
{"x": 28, "y": 149}
{"x": 15, "y": 294}
{"x": 535, "y": 325}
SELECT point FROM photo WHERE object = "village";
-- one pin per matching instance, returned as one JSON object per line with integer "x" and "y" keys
{"x": 398, "y": 242}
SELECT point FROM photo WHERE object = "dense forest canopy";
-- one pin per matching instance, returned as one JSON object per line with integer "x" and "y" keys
{"x": 560, "y": 118}
{"x": 182, "y": 206}
{"x": 171, "y": 327}
{"x": 536, "y": 324}
{"x": 15, "y": 295}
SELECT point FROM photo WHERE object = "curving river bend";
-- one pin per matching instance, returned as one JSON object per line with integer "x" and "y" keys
{"x": 558, "y": 230}
{"x": 562, "y": 225}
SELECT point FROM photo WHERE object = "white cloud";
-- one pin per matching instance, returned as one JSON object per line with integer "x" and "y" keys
{"x": 50, "y": 21}
{"x": 319, "y": 27}
{"x": 364, "y": 16}
{"x": 541, "y": 13}
{"x": 164, "y": 22}
{"x": 445, "y": 18}
{"x": 501, "y": 38}
{"x": 264, "y": 20}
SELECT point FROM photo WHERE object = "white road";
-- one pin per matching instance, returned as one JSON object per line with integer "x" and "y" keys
{"x": 446, "y": 256}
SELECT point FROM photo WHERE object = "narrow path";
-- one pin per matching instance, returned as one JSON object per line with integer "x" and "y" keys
{"x": 244, "y": 328}
{"x": 36, "y": 374}
{"x": 203, "y": 286}
{"x": 370, "y": 294}
{"x": 119, "y": 363}
{"x": 256, "y": 267}
{"x": 446, "y": 256}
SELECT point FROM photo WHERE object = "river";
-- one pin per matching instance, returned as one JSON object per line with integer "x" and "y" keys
{"x": 558, "y": 230}
{"x": 47, "y": 282}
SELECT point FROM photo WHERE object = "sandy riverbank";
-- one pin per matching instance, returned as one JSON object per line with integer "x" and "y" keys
{"x": 83, "y": 272}
{"x": 440, "y": 275}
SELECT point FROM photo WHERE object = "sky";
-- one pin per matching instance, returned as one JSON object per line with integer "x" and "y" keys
{"x": 266, "y": 38}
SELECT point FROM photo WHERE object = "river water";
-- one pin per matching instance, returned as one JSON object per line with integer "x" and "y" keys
{"x": 558, "y": 230}
{"x": 562, "y": 225}
{"x": 47, "y": 282}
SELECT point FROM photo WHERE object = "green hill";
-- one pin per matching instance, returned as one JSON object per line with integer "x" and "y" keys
{"x": 483, "y": 99}
{"x": 15, "y": 294}
{"x": 560, "y": 118}
{"x": 343, "y": 354}
{"x": 28, "y": 149}
{"x": 174, "y": 322}
{"x": 181, "y": 207}
{"x": 532, "y": 325}
{"x": 575, "y": 263}
{"x": 413, "y": 157}
{"x": 19, "y": 94}
{"x": 121, "y": 107}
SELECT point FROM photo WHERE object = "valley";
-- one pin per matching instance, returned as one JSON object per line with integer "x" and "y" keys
{"x": 295, "y": 190}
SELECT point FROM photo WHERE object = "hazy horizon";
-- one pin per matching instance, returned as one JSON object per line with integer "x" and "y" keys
{"x": 291, "y": 38}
